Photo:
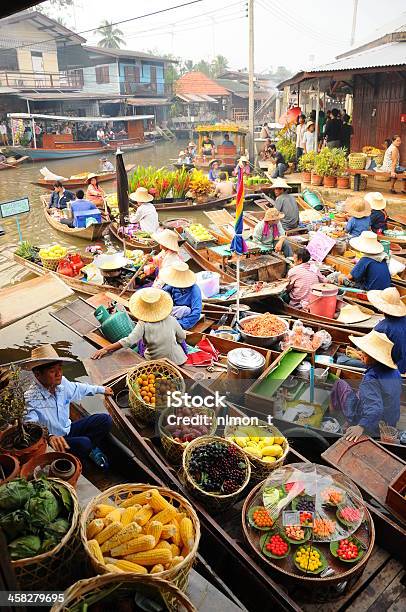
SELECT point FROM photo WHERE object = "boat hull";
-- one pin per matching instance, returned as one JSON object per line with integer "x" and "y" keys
{"x": 91, "y": 233}
{"x": 44, "y": 154}
{"x": 81, "y": 182}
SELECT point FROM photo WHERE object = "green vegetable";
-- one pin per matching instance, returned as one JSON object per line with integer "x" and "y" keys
{"x": 43, "y": 509}
{"x": 49, "y": 542}
{"x": 26, "y": 546}
{"x": 63, "y": 495}
{"x": 58, "y": 527}
{"x": 14, "y": 524}
{"x": 14, "y": 494}
{"x": 25, "y": 250}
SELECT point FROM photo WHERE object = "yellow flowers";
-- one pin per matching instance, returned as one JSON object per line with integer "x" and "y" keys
{"x": 199, "y": 184}
{"x": 308, "y": 558}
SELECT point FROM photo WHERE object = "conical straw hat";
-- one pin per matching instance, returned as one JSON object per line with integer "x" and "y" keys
{"x": 279, "y": 183}
{"x": 178, "y": 275}
{"x": 167, "y": 238}
{"x": 357, "y": 207}
{"x": 388, "y": 301}
{"x": 42, "y": 355}
{"x": 150, "y": 304}
{"x": 376, "y": 345}
{"x": 353, "y": 314}
{"x": 367, "y": 243}
{"x": 375, "y": 200}
{"x": 141, "y": 195}
{"x": 273, "y": 215}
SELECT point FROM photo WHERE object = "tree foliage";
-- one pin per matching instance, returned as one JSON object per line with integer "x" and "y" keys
{"x": 111, "y": 37}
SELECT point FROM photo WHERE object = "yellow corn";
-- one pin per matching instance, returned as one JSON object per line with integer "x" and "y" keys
{"x": 137, "y": 544}
{"x": 151, "y": 557}
{"x": 108, "y": 532}
{"x": 168, "y": 531}
{"x": 129, "y": 513}
{"x": 95, "y": 550}
{"x": 127, "y": 566}
{"x": 114, "y": 568}
{"x": 124, "y": 535}
{"x": 175, "y": 550}
{"x": 114, "y": 516}
{"x": 176, "y": 539}
{"x": 157, "y": 501}
{"x": 187, "y": 532}
{"x": 138, "y": 498}
{"x": 102, "y": 510}
{"x": 175, "y": 561}
{"x": 154, "y": 528}
{"x": 165, "y": 516}
{"x": 164, "y": 544}
{"x": 94, "y": 527}
{"x": 157, "y": 568}
{"x": 179, "y": 516}
{"x": 185, "y": 551}
{"x": 143, "y": 515}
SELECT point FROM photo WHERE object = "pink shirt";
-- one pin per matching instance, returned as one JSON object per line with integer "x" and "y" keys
{"x": 301, "y": 278}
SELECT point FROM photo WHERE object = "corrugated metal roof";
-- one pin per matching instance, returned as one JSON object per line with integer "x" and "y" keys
{"x": 196, "y": 98}
{"x": 391, "y": 54}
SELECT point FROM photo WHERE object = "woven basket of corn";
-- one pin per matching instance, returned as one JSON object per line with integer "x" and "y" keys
{"x": 148, "y": 384}
{"x": 357, "y": 161}
{"x": 216, "y": 502}
{"x": 43, "y": 572}
{"x": 141, "y": 529}
{"x": 273, "y": 442}
{"x": 111, "y": 590}
{"x": 172, "y": 448}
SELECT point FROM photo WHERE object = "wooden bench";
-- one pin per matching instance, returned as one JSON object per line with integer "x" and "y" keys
{"x": 357, "y": 176}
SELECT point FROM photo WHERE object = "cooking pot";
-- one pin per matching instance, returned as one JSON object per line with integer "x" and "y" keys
{"x": 108, "y": 263}
{"x": 244, "y": 363}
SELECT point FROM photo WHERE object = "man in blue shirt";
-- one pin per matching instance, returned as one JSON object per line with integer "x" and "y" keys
{"x": 48, "y": 402}
{"x": 60, "y": 197}
{"x": 81, "y": 205}
{"x": 180, "y": 283}
{"x": 371, "y": 272}
{"x": 393, "y": 325}
{"x": 227, "y": 142}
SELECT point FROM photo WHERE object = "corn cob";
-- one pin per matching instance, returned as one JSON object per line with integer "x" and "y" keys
{"x": 137, "y": 498}
{"x": 137, "y": 544}
{"x": 114, "y": 568}
{"x": 175, "y": 550}
{"x": 114, "y": 516}
{"x": 151, "y": 557}
{"x": 95, "y": 550}
{"x": 175, "y": 561}
{"x": 129, "y": 513}
{"x": 94, "y": 527}
{"x": 186, "y": 532}
{"x": 143, "y": 516}
{"x": 108, "y": 532}
{"x": 102, "y": 510}
{"x": 154, "y": 528}
{"x": 164, "y": 544}
{"x": 157, "y": 501}
{"x": 176, "y": 539}
{"x": 185, "y": 551}
{"x": 124, "y": 535}
{"x": 165, "y": 516}
{"x": 157, "y": 568}
{"x": 126, "y": 566}
{"x": 168, "y": 531}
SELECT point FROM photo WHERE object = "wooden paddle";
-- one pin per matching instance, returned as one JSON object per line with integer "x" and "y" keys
{"x": 137, "y": 273}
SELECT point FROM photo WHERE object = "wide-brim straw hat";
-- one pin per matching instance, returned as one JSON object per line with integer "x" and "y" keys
{"x": 353, "y": 314}
{"x": 309, "y": 123}
{"x": 178, "y": 275}
{"x": 357, "y": 208}
{"x": 367, "y": 243}
{"x": 388, "y": 301}
{"x": 167, "y": 238}
{"x": 141, "y": 195}
{"x": 375, "y": 200}
{"x": 191, "y": 144}
{"x": 150, "y": 305}
{"x": 376, "y": 345}
{"x": 273, "y": 215}
{"x": 279, "y": 183}
{"x": 244, "y": 159}
{"x": 41, "y": 355}
{"x": 213, "y": 161}
{"x": 90, "y": 176}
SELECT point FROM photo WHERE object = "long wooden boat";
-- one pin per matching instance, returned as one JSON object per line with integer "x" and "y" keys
{"x": 75, "y": 183}
{"x": 91, "y": 233}
{"x": 145, "y": 245}
{"x": 190, "y": 206}
{"x": 12, "y": 163}
{"x": 342, "y": 264}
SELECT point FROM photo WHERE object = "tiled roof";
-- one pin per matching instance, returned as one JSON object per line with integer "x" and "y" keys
{"x": 199, "y": 83}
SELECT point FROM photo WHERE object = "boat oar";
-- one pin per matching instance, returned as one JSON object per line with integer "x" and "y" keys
{"x": 137, "y": 273}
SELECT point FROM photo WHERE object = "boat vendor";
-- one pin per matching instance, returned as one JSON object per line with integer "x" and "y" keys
{"x": 146, "y": 214}
{"x": 48, "y": 401}
{"x": 302, "y": 277}
{"x": 159, "y": 332}
{"x": 270, "y": 232}
{"x": 185, "y": 293}
{"x": 391, "y": 163}
{"x": 94, "y": 193}
{"x": 169, "y": 254}
{"x": 208, "y": 147}
{"x": 106, "y": 165}
{"x": 60, "y": 197}
{"x": 214, "y": 170}
{"x": 191, "y": 151}
{"x": 378, "y": 396}
{"x": 393, "y": 325}
{"x": 224, "y": 188}
{"x": 371, "y": 271}
{"x": 379, "y": 216}
{"x": 286, "y": 204}
{"x": 245, "y": 163}
{"x": 227, "y": 142}
{"x": 77, "y": 206}
{"x": 359, "y": 211}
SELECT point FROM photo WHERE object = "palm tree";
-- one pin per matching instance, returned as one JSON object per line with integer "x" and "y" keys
{"x": 219, "y": 65}
{"x": 111, "y": 36}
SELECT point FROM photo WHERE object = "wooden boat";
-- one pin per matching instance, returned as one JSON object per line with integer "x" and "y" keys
{"x": 91, "y": 233}
{"x": 342, "y": 264}
{"x": 191, "y": 206}
{"x": 12, "y": 162}
{"x": 228, "y": 156}
{"x": 75, "y": 183}
{"x": 145, "y": 245}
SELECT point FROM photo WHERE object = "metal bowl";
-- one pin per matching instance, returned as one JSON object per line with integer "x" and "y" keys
{"x": 264, "y": 341}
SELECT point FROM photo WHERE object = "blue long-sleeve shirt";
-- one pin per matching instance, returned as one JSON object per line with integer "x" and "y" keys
{"x": 52, "y": 411}
{"x": 191, "y": 297}
{"x": 371, "y": 274}
{"x": 395, "y": 329}
{"x": 355, "y": 227}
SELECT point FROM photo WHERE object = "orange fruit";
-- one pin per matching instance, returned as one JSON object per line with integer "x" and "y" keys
{"x": 139, "y": 380}
{"x": 144, "y": 376}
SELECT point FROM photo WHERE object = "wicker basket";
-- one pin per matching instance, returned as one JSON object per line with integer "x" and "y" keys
{"x": 138, "y": 406}
{"x": 357, "y": 161}
{"x": 51, "y": 263}
{"x": 362, "y": 182}
{"x": 261, "y": 469}
{"x": 173, "y": 449}
{"x": 378, "y": 158}
{"x": 43, "y": 572}
{"x": 382, "y": 177}
{"x": 178, "y": 575}
{"x": 148, "y": 585}
{"x": 212, "y": 501}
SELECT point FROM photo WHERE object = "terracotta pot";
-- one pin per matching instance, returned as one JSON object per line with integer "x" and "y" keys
{"x": 317, "y": 179}
{"x": 343, "y": 182}
{"x": 27, "y": 471}
{"x": 306, "y": 177}
{"x": 24, "y": 454}
{"x": 10, "y": 466}
{"x": 329, "y": 181}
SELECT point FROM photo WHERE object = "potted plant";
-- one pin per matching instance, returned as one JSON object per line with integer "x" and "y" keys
{"x": 24, "y": 440}
{"x": 199, "y": 187}
{"x": 339, "y": 165}
{"x": 306, "y": 165}
{"x": 9, "y": 468}
{"x": 324, "y": 169}
{"x": 288, "y": 149}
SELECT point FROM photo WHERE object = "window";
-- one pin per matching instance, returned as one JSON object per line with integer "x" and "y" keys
{"x": 8, "y": 59}
{"x": 131, "y": 74}
{"x": 76, "y": 78}
{"x": 102, "y": 74}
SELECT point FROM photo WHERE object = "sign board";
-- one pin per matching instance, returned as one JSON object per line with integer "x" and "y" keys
{"x": 320, "y": 245}
{"x": 14, "y": 207}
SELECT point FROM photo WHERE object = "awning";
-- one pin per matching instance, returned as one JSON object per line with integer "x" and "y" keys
{"x": 79, "y": 119}
{"x": 147, "y": 101}
{"x": 196, "y": 98}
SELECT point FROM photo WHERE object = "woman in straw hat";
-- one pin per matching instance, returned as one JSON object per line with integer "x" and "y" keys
{"x": 159, "y": 332}
{"x": 378, "y": 397}
{"x": 185, "y": 293}
{"x": 95, "y": 194}
{"x": 393, "y": 325}
{"x": 168, "y": 240}
{"x": 371, "y": 271}
{"x": 48, "y": 401}
{"x": 359, "y": 212}
{"x": 270, "y": 232}
{"x": 379, "y": 217}
{"x": 286, "y": 204}
{"x": 214, "y": 170}
{"x": 146, "y": 215}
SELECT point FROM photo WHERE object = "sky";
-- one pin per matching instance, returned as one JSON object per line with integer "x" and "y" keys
{"x": 295, "y": 33}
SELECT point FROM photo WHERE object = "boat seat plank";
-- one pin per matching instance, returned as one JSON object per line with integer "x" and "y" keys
{"x": 111, "y": 366}
{"x": 77, "y": 316}
{"x": 382, "y": 591}
{"x": 400, "y": 604}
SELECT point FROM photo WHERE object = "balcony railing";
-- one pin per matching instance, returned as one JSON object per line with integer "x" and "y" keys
{"x": 39, "y": 80}
{"x": 145, "y": 89}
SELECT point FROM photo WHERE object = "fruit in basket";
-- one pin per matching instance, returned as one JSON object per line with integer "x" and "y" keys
{"x": 185, "y": 430}
{"x": 323, "y": 528}
{"x": 54, "y": 252}
{"x": 261, "y": 518}
{"x": 199, "y": 232}
{"x": 308, "y": 558}
{"x": 277, "y": 546}
{"x": 266, "y": 447}
{"x": 217, "y": 468}
{"x": 153, "y": 389}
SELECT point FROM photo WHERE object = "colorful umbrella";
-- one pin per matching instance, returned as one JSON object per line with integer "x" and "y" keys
{"x": 238, "y": 245}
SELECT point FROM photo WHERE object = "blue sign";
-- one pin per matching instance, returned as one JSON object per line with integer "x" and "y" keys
{"x": 14, "y": 207}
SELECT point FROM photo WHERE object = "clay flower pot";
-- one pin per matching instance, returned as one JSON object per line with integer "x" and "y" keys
{"x": 329, "y": 181}
{"x": 306, "y": 177}
{"x": 343, "y": 182}
{"x": 55, "y": 460}
{"x": 317, "y": 179}
{"x": 10, "y": 466}
{"x": 23, "y": 455}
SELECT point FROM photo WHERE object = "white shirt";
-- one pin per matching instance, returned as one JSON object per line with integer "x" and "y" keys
{"x": 3, "y": 129}
{"x": 147, "y": 217}
{"x": 107, "y": 166}
{"x": 300, "y": 132}
{"x": 100, "y": 134}
{"x": 309, "y": 140}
